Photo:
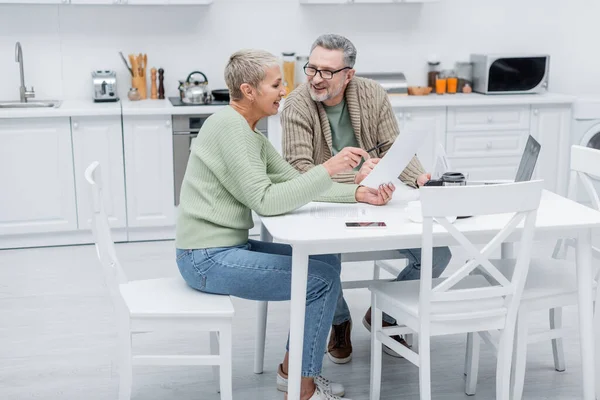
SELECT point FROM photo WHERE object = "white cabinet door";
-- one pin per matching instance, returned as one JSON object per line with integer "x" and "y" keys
{"x": 148, "y": 145}
{"x": 429, "y": 122}
{"x": 100, "y": 139}
{"x": 37, "y": 189}
{"x": 550, "y": 125}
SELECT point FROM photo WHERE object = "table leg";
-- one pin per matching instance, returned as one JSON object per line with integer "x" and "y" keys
{"x": 586, "y": 326}
{"x": 297, "y": 313}
{"x": 262, "y": 308}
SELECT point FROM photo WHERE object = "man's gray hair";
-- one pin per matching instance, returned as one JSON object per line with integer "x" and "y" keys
{"x": 331, "y": 41}
{"x": 247, "y": 66}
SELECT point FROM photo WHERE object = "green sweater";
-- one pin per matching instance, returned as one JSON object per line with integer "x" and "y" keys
{"x": 233, "y": 170}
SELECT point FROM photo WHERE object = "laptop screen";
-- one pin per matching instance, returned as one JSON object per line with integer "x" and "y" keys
{"x": 528, "y": 161}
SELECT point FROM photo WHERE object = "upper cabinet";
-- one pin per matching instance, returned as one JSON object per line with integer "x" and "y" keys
{"x": 365, "y": 1}
{"x": 112, "y": 2}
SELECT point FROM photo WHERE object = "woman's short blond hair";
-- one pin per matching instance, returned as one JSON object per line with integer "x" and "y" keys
{"x": 247, "y": 66}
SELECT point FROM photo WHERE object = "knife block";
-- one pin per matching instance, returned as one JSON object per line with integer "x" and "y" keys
{"x": 139, "y": 82}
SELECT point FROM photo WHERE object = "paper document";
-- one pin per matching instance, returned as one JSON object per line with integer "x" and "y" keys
{"x": 395, "y": 160}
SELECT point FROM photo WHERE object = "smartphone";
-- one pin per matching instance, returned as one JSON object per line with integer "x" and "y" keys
{"x": 365, "y": 224}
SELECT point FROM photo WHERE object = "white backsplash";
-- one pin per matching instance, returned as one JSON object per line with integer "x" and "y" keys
{"x": 63, "y": 44}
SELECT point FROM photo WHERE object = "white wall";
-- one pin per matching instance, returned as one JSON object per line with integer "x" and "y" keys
{"x": 63, "y": 44}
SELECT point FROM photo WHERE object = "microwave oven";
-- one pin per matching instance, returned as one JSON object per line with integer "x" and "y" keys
{"x": 510, "y": 74}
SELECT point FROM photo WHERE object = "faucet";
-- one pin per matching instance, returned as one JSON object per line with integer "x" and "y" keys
{"x": 25, "y": 94}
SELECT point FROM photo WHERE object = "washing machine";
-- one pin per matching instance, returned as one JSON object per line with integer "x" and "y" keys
{"x": 586, "y": 132}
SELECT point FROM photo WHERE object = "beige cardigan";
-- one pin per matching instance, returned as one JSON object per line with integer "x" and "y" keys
{"x": 307, "y": 134}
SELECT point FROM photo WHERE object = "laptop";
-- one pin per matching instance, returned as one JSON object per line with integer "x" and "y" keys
{"x": 526, "y": 166}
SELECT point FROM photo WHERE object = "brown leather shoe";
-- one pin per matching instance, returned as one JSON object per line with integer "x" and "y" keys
{"x": 339, "y": 349}
{"x": 397, "y": 338}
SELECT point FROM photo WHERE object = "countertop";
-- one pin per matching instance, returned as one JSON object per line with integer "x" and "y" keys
{"x": 72, "y": 108}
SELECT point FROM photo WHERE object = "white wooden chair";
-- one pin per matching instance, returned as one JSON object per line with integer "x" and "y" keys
{"x": 551, "y": 285}
{"x": 462, "y": 302}
{"x": 166, "y": 304}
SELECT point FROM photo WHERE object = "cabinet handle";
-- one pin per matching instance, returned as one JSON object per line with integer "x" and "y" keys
{"x": 490, "y": 118}
{"x": 408, "y": 115}
{"x": 75, "y": 125}
{"x": 167, "y": 123}
{"x": 536, "y": 111}
{"x": 488, "y": 145}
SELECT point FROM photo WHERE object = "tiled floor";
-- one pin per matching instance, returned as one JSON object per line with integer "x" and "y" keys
{"x": 57, "y": 339}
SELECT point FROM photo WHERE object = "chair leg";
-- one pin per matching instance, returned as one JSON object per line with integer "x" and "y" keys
{"x": 472, "y": 363}
{"x": 520, "y": 356}
{"x": 226, "y": 376}
{"x": 261, "y": 335}
{"x": 503, "y": 366}
{"x": 125, "y": 364}
{"x": 376, "y": 270}
{"x": 425, "y": 365}
{"x": 557, "y": 344}
{"x": 214, "y": 350}
{"x": 376, "y": 350}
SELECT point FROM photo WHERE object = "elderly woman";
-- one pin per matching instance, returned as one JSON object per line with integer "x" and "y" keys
{"x": 232, "y": 170}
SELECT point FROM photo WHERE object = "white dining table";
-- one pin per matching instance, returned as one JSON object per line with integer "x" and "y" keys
{"x": 319, "y": 228}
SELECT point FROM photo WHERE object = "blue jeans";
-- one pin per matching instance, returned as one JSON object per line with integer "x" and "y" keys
{"x": 263, "y": 271}
{"x": 441, "y": 259}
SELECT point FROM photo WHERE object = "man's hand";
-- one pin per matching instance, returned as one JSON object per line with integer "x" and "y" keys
{"x": 422, "y": 179}
{"x": 366, "y": 169}
{"x": 375, "y": 197}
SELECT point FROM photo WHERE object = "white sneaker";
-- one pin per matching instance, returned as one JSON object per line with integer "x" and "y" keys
{"x": 326, "y": 386}
{"x": 321, "y": 395}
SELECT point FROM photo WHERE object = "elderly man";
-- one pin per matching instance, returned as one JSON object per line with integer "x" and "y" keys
{"x": 333, "y": 110}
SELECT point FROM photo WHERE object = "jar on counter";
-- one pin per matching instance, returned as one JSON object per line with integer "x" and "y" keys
{"x": 133, "y": 94}
{"x": 433, "y": 72}
{"x": 289, "y": 71}
{"x": 464, "y": 73}
{"x": 451, "y": 81}
{"x": 301, "y": 77}
{"x": 441, "y": 84}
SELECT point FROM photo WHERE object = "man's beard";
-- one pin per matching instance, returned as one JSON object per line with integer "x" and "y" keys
{"x": 329, "y": 93}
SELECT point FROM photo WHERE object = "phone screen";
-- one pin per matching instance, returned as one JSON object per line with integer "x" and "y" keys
{"x": 365, "y": 224}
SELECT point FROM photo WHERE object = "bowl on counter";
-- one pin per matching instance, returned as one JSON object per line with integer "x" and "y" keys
{"x": 419, "y": 90}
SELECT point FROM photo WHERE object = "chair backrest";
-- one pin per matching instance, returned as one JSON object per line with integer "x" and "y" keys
{"x": 519, "y": 201}
{"x": 585, "y": 161}
{"x": 105, "y": 248}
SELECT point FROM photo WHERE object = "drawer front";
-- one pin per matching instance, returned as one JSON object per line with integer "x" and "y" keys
{"x": 488, "y": 118}
{"x": 478, "y": 144}
{"x": 491, "y": 168}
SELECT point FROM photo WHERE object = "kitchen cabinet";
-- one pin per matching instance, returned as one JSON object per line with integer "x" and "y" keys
{"x": 429, "y": 122}
{"x": 100, "y": 139}
{"x": 36, "y": 176}
{"x": 365, "y": 1}
{"x": 31, "y": 1}
{"x": 550, "y": 126}
{"x": 148, "y": 149}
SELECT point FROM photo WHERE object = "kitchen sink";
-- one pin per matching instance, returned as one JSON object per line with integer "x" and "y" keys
{"x": 31, "y": 104}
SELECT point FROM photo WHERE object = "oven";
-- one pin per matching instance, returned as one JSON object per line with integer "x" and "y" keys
{"x": 185, "y": 131}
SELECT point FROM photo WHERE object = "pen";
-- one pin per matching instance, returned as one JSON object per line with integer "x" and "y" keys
{"x": 378, "y": 146}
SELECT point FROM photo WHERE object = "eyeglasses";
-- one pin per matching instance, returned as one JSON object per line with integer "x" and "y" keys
{"x": 325, "y": 74}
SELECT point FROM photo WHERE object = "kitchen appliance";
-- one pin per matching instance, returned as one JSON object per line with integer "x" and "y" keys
{"x": 105, "y": 86}
{"x": 392, "y": 82}
{"x": 195, "y": 91}
{"x": 586, "y": 132}
{"x": 510, "y": 74}
{"x": 185, "y": 131}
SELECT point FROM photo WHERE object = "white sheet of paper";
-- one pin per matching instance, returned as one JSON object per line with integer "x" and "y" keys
{"x": 395, "y": 160}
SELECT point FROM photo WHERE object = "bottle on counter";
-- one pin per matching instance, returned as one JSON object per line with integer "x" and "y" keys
{"x": 433, "y": 71}
{"x": 289, "y": 71}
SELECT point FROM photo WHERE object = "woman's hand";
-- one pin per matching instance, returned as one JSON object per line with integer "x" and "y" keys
{"x": 366, "y": 169}
{"x": 346, "y": 160}
{"x": 423, "y": 179}
{"x": 378, "y": 197}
